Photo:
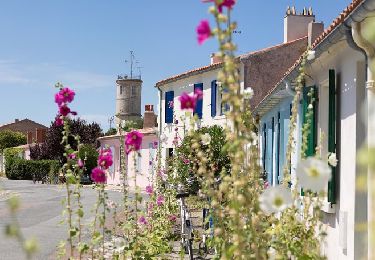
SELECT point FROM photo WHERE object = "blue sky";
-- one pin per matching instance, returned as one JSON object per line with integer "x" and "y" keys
{"x": 84, "y": 44}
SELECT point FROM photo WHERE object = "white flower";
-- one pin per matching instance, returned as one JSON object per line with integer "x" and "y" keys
{"x": 248, "y": 93}
{"x": 254, "y": 137}
{"x": 332, "y": 160}
{"x": 206, "y": 139}
{"x": 310, "y": 55}
{"x": 275, "y": 199}
{"x": 310, "y": 106}
{"x": 313, "y": 174}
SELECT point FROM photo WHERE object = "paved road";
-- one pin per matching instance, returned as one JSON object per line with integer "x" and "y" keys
{"x": 39, "y": 215}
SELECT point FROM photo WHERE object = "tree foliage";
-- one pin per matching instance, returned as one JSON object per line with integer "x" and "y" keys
{"x": 11, "y": 139}
{"x": 52, "y": 149}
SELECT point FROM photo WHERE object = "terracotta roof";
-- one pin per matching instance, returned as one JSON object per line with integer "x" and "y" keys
{"x": 218, "y": 65}
{"x": 336, "y": 22}
{"x": 22, "y": 121}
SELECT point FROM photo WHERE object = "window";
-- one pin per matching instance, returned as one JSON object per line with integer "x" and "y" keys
{"x": 332, "y": 133}
{"x": 168, "y": 106}
{"x": 224, "y": 107}
{"x": 134, "y": 90}
{"x": 121, "y": 90}
{"x": 199, "y": 105}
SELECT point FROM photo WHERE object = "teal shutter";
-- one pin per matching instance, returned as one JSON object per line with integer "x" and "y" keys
{"x": 213, "y": 98}
{"x": 169, "y": 96}
{"x": 312, "y": 136}
{"x": 332, "y": 133}
{"x": 269, "y": 153}
{"x": 199, "y": 106}
{"x": 264, "y": 148}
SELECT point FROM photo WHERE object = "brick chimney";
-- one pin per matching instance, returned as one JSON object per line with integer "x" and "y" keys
{"x": 215, "y": 59}
{"x": 40, "y": 135}
{"x": 314, "y": 30}
{"x": 149, "y": 118}
{"x": 296, "y": 25}
{"x": 29, "y": 137}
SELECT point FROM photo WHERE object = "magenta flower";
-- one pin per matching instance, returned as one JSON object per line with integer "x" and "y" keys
{"x": 155, "y": 145}
{"x": 227, "y": 3}
{"x": 80, "y": 163}
{"x": 65, "y": 95}
{"x": 203, "y": 31}
{"x": 72, "y": 156}
{"x": 105, "y": 158}
{"x": 170, "y": 104}
{"x": 160, "y": 200}
{"x": 172, "y": 218}
{"x": 59, "y": 121}
{"x": 198, "y": 94}
{"x": 187, "y": 101}
{"x": 149, "y": 189}
{"x": 133, "y": 141}
{"x": 98, "y": 175}
{"x": 64, "y": 110}
{"x": 142, "y": 220}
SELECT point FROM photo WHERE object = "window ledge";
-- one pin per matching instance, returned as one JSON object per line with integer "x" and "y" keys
{"x": 219, "y": 117}
{"x": 328, "y": 207}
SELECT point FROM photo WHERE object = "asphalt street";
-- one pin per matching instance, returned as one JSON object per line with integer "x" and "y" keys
{"x": 39, "y": 215}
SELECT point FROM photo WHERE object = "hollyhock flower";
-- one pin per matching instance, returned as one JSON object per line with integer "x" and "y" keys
{"x": 59, "y": 121}
{"x": 187, "y": 101}
{"x": 150, "y": 206}
{"x": 275, "y": 199}
{"x": 80, "y": 163}
{"x": 206, "y": 139}
{"x": 72, "y": 156}
{"x": 313, "y": 174}
{"x": 225, "y": 3}
{"x": 65, "y": 95}
{"x": 149, "y": 189}
{"x": 186, "y": 161}
{"x": 248, "y": 93}
{"x": 64, "y": 110}
{"x": 170, "y": 104}
{"x": 160, "y": 200}
{"x": 203, "y": 31}
{"x": 198, "y": 94}
{"x": 172, "y": 218}
{"x": 266, "y": 184}
{"x": 133, "y": 141}
{"x": 332, "y": 160}
{"x": 98, "y": 175}
{"x": 155, "y": 145}
{"x": 142, "y": 220}
{"x": 105, "y": 158}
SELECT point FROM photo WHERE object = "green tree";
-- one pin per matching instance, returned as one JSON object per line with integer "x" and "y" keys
{"x": 11, "y": 139}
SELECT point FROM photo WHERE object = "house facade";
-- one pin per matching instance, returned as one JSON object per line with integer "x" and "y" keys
{"x": 336, "y": 77}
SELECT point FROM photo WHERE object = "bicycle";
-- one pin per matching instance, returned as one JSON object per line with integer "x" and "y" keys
{"x": 186, "y": 225}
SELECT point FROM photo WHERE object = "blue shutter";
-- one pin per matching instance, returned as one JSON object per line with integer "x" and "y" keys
{"x": 269, "y": 152}
{"x": 169, "y": 96}
{"x": 213, "y": 98}
{"x": 199, "y": 106}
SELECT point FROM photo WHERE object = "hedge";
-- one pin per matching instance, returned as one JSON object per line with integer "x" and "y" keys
{"x": 37, "y": 170}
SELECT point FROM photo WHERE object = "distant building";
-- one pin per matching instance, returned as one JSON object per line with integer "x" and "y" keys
{"x": 34, "y": 132}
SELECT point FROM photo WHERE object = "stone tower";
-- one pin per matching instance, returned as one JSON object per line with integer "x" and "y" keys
{"x": 128, "y": 99}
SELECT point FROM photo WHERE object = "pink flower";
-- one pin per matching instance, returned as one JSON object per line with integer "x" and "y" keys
{"x": 59, "y": 121}
{"x": 72, "y": 156}
{"x": 160, "y": 200}
{"x": 172, "y": 218}
{"x": 187, "y": 101}
{"x": 133, "y": 141}
{"x": 170, "y": 104}
{"x": 198, "y": 94}
{"x": 64, "y": 110}
{"x": 155, "y": 145}
{"x": 266, "y": 184}
{"x": 98, "y": 175}
{"x": 149, "y": 189}
{"x": 186, "y": 161}
{"x": 227, "y": 3}
{"x": 150, "y": 206}
{"x": 80, "y": 163}
{"x": 105, "y": 158}
{"x": 203, "y": 31}
{"x": 65, "y": 95}
{"x": 142, "y": 220}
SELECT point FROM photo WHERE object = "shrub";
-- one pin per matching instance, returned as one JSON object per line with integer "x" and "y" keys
{"x": 10, "y": 154}
{"x": 11, "y": 139}
{"x": 89, "y": 154}
{"x": 41, "y": 170}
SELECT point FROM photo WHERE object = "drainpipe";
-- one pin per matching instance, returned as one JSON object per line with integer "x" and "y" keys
{"x": 370, "y": 86}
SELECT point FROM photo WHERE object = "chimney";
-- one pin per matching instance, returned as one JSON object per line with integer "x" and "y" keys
{"x": 29, "y": 137}
{"x": 40, "y": 135}
{"x": 16, "y": 120}
{"x": 215, "y": 59}
{"x": 314, "y": 30}
{"x": 149, "y": 117}
{"x": 296, "y": 25}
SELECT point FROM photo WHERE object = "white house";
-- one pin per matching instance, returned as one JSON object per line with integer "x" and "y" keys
{"x": 341, "y": 123}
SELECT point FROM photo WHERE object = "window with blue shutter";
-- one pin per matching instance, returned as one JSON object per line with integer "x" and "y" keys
{"x": 311, "y": 132}
{"x": 199, "y": 105}
{"x": 332, "y": 133}
{"x": 169, "y": 96}
{"x": 269, "y": 153}
{"x": 213, "y": 98}
{"x": 264, "y": 147}
{"x": 224, "y": 105}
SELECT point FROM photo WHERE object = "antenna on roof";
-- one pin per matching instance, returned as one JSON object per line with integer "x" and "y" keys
{"x": 131, "y": 61}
